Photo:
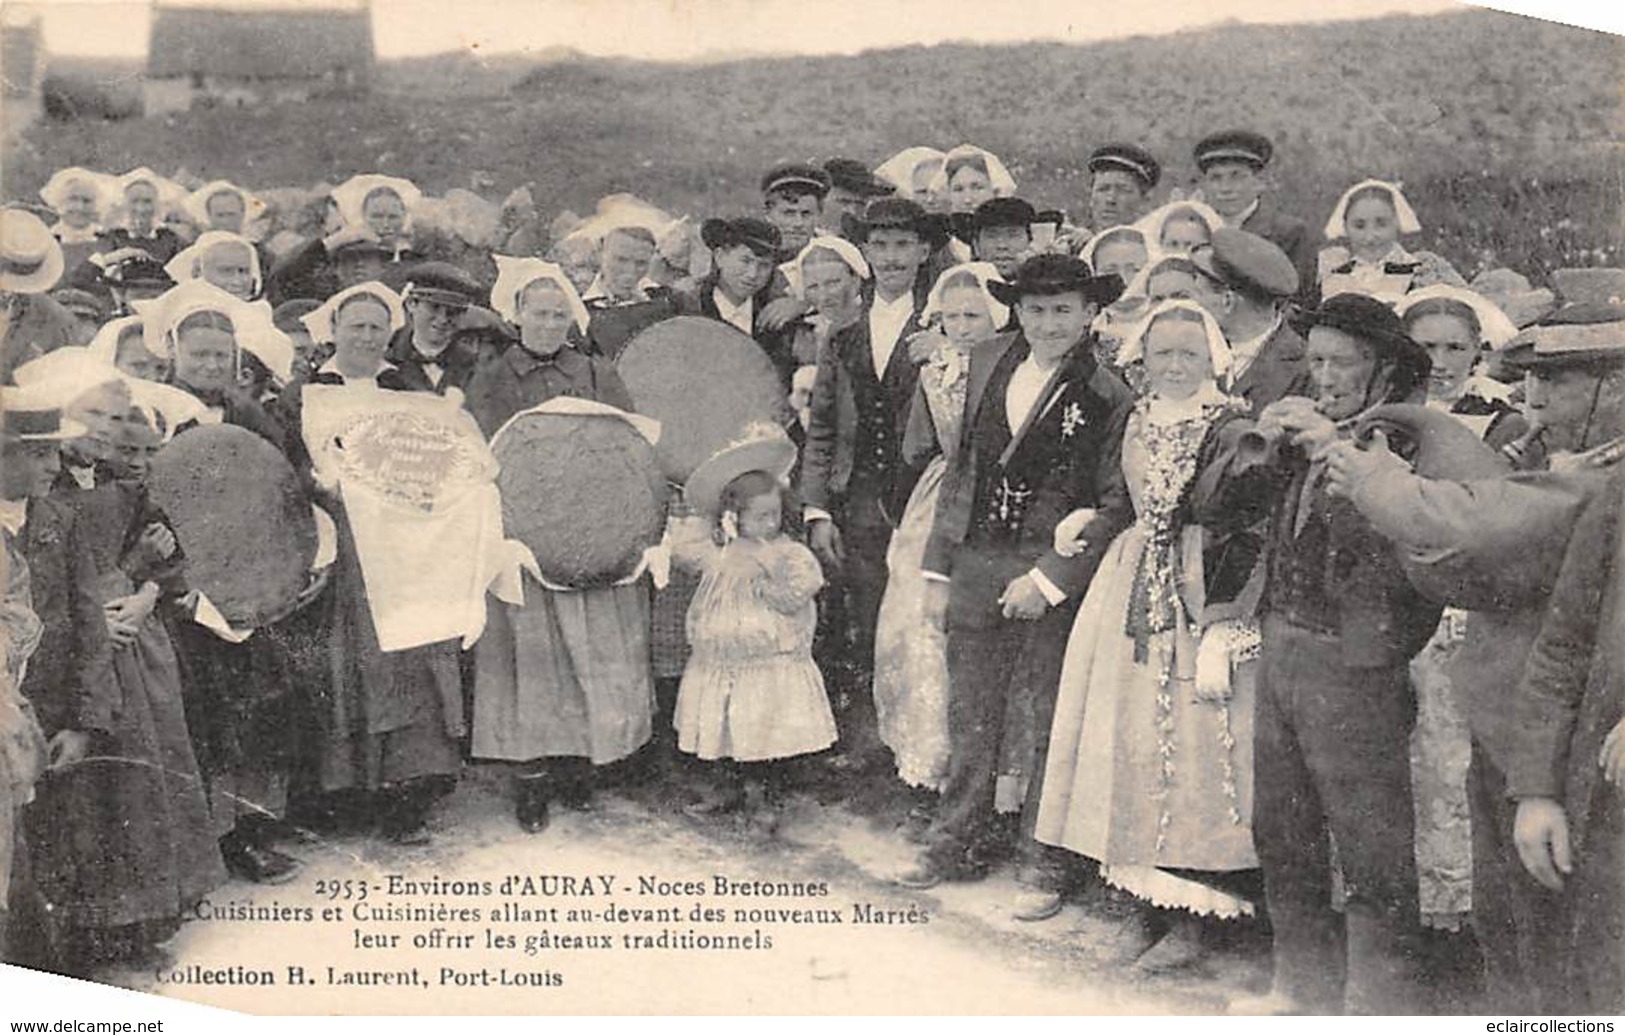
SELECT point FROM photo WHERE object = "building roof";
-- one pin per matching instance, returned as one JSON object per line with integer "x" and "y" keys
{"x": 259, "y": 43}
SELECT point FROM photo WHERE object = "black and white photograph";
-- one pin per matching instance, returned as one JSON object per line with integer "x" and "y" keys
{"x": 808, "y": 507}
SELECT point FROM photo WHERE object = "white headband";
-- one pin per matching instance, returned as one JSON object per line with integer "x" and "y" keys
{"x": 514, "y": 275}
{"x": 1218, "y": 348}
{"x": 1154, "y": 222}
{"x": 1494, "y": 327}
{"x": 187, "y": 265}
{"x": 898, "y": 170}
{"x": 351, "y": 197}
{"x": 55, "y": 191}
{"x": 998, "y": 177}
{"x": 1087, "y": 253}
{"x": 253, "y": 328}
{"x": 1337, "y": 225}
{"x": 320, "y": 321}
{"x": 983, "y": 272}
{"x": 197, "y": 203}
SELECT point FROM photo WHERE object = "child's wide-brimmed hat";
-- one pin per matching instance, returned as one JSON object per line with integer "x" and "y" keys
{"x": 764, "y": 447}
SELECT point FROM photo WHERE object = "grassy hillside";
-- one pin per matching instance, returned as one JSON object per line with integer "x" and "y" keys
{"x": 1505, "y": 130}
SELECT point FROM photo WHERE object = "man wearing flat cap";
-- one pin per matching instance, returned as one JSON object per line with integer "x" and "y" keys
{"x": 1232, "y": 164}
{"x": 793, "y": 200}
{"x": 1478, "y": 536}
{"x": 1341, "y": 622}
{"x": 851, "y": 188}
{"x": 1246, "y": 282}
{"x": 1041, "y": 438}
{"x": 1121, "y": 179}
{"x": 438, "y": 348}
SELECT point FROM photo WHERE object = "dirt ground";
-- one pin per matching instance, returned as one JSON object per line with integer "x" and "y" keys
{"x": 968, "y": 957}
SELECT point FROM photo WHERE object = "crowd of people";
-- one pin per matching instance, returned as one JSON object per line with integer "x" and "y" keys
{"x": 1165, "y": 546}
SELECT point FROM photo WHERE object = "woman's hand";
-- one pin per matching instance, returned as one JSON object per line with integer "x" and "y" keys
{"x": 125, "y": 615}
{"x": 1069, "y": 541}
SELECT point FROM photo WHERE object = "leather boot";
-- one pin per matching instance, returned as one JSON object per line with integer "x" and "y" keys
{"x": 532, "y": 792}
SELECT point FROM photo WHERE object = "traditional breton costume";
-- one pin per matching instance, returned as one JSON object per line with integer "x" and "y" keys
{"x": 561, "y": 682}
{"x": 159, "y": 242}
{"x": 1394, "y": 274}
{"x": 1335, "y": 707}
{"x": 1150, "y": 756}
{"x": 709, "y": 299}
{"x": 310, "y": 269}
{"x": 393, "y": 720}
{"x": 123, "y": 842}
{"x": 78, "y": 243}
{"x": 1441, "y": 744}
{"x": 1477, "y": 536}
{"x": 852, "y": 473}
{"x": 243, "y": 695}
{"x": 911, "y": 644}
{"x": 1115, "y": 322}
{"x": 1035, "y": 445}
{"x": 1155, "y": 223}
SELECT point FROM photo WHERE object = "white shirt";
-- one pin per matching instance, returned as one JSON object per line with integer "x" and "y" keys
{"x": 1027, "y": 384}
{"x": 742, "y": 316}
{"x": 1242, "y": 353}
{"x": 13, "y": 515}
{"x": 887, "y": 321}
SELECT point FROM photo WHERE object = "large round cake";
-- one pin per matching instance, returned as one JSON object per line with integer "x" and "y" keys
{"x": 241, "y": 517}
{"x": 705, "y": 382}
{"x": 583, "y": 492}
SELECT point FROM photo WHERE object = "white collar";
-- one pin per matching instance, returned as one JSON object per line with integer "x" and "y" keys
{"x": 1241, "y": 217}
{"x": 598, "y": 292}
{"x": 13, "y": 515}
{"x": 1395, "y": 254}
{"x": 1251, "y": 347}
{"x": 332, "y": 367}
{"x": 901, "y": 302}
{"x": 727, "y": 309}
{"x": 68, "y": 235}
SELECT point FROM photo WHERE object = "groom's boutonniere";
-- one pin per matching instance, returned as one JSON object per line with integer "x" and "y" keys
{"x": 1071, "y": 420}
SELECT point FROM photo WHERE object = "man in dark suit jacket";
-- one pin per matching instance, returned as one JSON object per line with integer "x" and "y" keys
{"x": 1232, "y": 164}
{"x": 1042, "y": 438}
{"x": 1245, "y": 283}
{"x": 741, "y": 287}
{"x": 439, "y": 348}
{"x": 852, "y": 475}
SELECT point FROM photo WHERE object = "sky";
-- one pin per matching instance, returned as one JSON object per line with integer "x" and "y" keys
{"x": 688, "y": 29}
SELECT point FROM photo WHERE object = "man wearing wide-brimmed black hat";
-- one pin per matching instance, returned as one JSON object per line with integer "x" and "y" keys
{"x": 853, "y": 478}
{"x": 1042, "y": 438}
{"x": 1341, "y": 623}
{"x": 1480, "y": 537}
{"x": 740, "y": 286}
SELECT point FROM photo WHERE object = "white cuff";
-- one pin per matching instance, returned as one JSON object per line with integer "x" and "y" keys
{"x": 1051, "y": 592}
{"x": 811, "y": 514}
{"x": 931, "y": 576}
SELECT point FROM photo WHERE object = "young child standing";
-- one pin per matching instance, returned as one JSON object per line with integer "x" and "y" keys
{"x": 751, "y": 694}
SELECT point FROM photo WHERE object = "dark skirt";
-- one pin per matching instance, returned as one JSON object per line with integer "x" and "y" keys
{"x": 389, "y": 717}
{"x": 125, "y": 836}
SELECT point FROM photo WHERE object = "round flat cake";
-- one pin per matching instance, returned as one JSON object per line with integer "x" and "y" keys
{"x": 705, "y": 382}
{"x": 583, "y": 492}
{"x": 241, "y": 517}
